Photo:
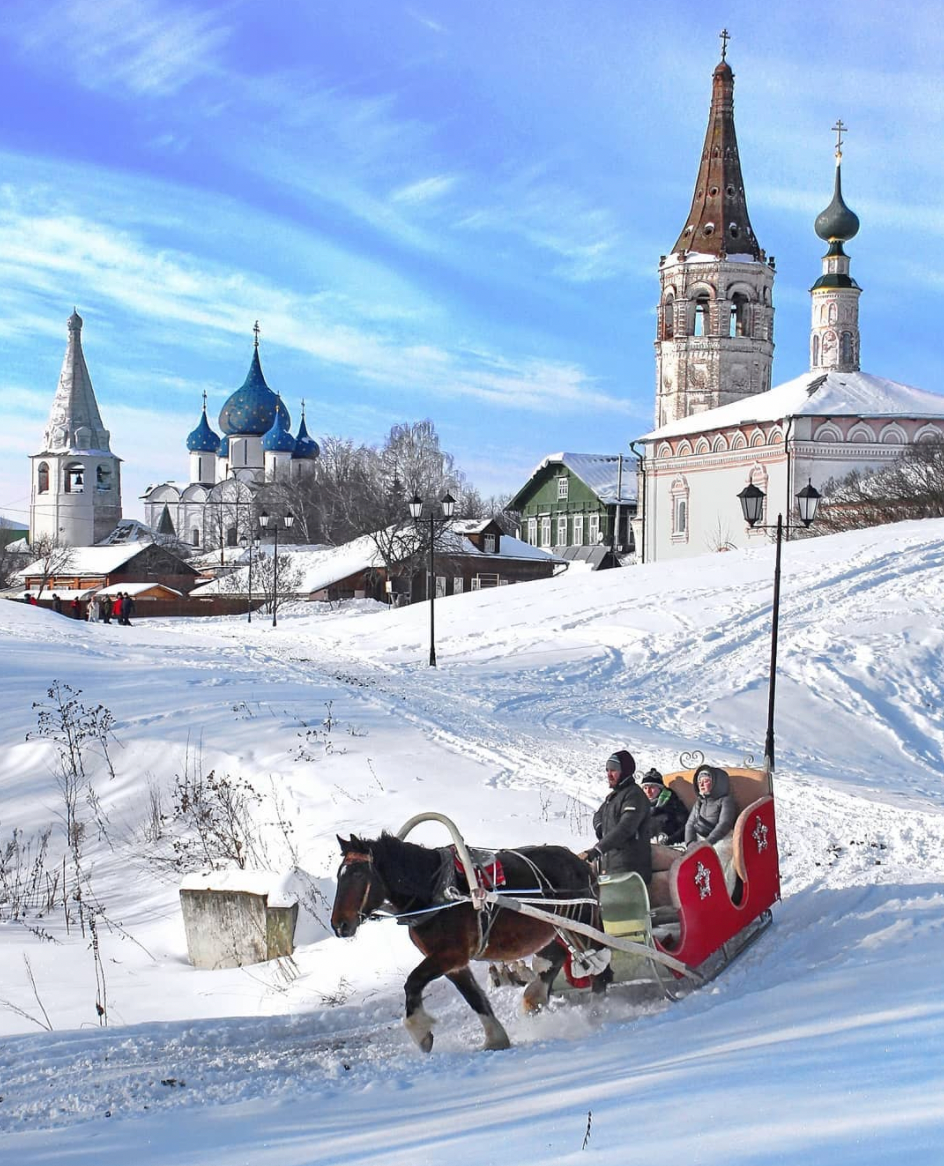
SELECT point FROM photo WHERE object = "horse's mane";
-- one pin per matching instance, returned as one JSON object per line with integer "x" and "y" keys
{"x": 406, "y": 867}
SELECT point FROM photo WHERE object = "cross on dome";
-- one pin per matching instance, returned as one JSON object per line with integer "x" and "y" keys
{"x": 725, "y": 37}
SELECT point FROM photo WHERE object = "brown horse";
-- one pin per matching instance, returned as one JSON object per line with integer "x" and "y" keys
{"x": 409, "y": 878}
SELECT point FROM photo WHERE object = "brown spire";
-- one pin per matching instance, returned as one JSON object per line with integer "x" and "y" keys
{"x": 718, "y": 223}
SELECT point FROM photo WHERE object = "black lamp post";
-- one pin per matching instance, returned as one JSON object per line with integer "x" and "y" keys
{"x": 275, "y": 522}
{"x": 448, "y": 504}
{"x": 250, "y": 543}
{"x": 752, "y": 504}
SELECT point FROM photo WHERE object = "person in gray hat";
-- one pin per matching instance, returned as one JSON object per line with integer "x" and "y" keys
{"x": 621, "y": 823}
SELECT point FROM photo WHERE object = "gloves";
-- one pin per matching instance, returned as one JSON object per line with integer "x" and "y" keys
{"x": 589, "y": 855}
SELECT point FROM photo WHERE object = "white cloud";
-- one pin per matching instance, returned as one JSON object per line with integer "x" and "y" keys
{"x": 426, "y": 189}
{"x": 139, "y": 45}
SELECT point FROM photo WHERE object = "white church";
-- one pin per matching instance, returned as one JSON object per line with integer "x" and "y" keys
{"x": 720, "y": 426}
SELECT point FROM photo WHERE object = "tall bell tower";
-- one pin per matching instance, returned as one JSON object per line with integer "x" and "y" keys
{"x": 714, "y": 339}
{"x": 76, "y": 479}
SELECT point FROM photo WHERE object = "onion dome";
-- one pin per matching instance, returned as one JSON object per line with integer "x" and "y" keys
{"x": 837, "y": 224}
{"x": 223, "y": 451}
{"x": 251, "y": 410}
{"x": 203, "y": 439}
{"x": 278, "y": 439}
{"x": 306, "y": 448}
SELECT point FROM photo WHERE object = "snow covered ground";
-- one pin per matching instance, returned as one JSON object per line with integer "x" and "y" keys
{"x": 823, "y": 1043}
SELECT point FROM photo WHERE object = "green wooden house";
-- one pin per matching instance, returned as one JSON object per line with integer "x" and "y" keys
{"x": 580, "y": 506}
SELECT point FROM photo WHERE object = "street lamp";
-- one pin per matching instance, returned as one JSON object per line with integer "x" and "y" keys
{"x": 275, "y": 522}
{"x": 245, "y": 542}
{"x": 752, "y": 505}
{"x": 448, "y": 505}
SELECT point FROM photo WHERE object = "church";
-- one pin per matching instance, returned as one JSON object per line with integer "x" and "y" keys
{"x": 719, "y": 425}
{"x": 214, "y": 510}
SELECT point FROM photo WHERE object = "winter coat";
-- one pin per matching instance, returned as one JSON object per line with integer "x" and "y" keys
{"x": 712, "y": 817}
{"x": 669, "y": 817}
{"x": 622, "y": 829}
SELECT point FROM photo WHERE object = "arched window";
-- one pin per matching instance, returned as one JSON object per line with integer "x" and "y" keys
{"x": 668, "y": 318}
{"x": 845, "y": 348}
{"x": 75, "y": 479}
{"x": 702, "y": 308}
{"x": 42, "y": 478}
{"x": 195, "y": 537}
{"x": 231, "y": 536}
{"x": 815, "y": 351}
{"x": 102, "y": 478}
{"x": 740, "y": 315}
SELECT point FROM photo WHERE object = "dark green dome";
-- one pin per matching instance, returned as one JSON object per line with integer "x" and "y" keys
{"x": 837, "y": 223}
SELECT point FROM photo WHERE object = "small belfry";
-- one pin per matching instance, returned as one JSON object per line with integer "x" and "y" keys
{"x": 76, "y": 482}
{"x": 714, "y": 341}
{"x": 834, "y": 332}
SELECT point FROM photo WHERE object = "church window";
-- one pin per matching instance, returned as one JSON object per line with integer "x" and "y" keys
{"x": 533, "y": 531}
{"x": 708, "y": 229}
{"x": 740, "y": 315}
{"x": 563, "y": 485}
{"x": 195, "y": 537}
{"x": 75, "y": 479}
{"x": 681, "y": 515}
{"x": 846, "y": 348}
{"x": 702, "y": 308}
{"x": 42, "y": 478}
{"x": 833, "y": 313}
{"x": 668, "y": 318}
{"x": 562, "y": 530}
{"x": 102, "y": 478}
{"x": 815, "y": 351}
{"x": 231, "y": 536}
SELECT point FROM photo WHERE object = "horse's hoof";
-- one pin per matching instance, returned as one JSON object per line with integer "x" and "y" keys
{"x": 426, "y": 1044}
{"x": 530, "y": 1006}
{"x": 499, "y": 1042}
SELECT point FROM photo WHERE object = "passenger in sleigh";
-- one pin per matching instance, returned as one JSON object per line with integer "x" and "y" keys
{"x": 711, "y": 819}
{"x": 669, "y": 816}
{"x": 621, "y": 823}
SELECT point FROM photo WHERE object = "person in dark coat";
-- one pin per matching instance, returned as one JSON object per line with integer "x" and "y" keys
{"x": 56, "y": 604}
{"x": 104, "y": 608}
{"x": 669, "y": 816}
{"x": 715, "y": 811}
{"x": 621, "y": 824}
{"x": 75, "y": 610}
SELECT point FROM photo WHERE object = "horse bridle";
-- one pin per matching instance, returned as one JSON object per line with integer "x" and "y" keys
{"x": 350, "y": 860}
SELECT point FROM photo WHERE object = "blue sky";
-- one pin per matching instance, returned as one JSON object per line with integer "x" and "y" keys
{"x": 435, "y": 208}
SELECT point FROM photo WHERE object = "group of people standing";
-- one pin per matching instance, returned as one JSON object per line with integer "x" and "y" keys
{"x": 119, "y": 606}
{"x": 644, "y": 826}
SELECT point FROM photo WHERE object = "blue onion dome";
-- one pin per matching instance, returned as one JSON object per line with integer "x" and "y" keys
{"x": 223, "y": 451}
{"x": 277, "y": 438}
{"x": 251, "y": 410}
{"x": 837, "y": 224}
{"x": 203, "y": 439}
{"x": 306, "y": 448}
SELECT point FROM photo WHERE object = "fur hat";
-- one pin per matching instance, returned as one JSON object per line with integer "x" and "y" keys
{"x": 623, "y": 761}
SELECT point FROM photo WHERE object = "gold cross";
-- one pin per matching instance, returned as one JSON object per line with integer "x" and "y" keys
{"x": 725, "y": 37}
{"x": 839, "y": 129}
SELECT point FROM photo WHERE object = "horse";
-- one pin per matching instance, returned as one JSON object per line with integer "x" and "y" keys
{"x": 409, "y": 877}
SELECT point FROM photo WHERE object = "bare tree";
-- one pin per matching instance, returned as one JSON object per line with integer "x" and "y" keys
{"x": 269, "y": 578}
{"x": 911, "y": 487}
{"x": 51, "y": 557}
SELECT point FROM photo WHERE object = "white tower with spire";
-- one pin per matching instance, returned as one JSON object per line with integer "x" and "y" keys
{"x": 834, "y": 334}
{"x": 76, "y": 479}
{"x": 714, "y": 341}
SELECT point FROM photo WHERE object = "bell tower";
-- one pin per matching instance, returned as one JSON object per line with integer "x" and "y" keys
{"x": 834, "y": 334}
{"x": 76, "y": 480}
{"x": 714, "y": 339}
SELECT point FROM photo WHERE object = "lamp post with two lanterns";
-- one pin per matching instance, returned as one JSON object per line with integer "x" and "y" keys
{"x": 448, "y": 506}
{"x": 275, "y": 522}
{"x": 752, "y": 505}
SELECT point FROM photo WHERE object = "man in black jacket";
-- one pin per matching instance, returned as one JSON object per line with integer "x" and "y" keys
{"x": 622, "y": 822}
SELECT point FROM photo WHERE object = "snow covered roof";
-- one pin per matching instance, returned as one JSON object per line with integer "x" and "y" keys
{"x": 599, "y": 471}
{"x": 322, "y": 567}
{"x": 99, "y": 560}
{"x": 833, "y": 394}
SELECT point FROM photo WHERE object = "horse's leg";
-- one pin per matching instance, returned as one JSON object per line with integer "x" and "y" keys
{"x": 495, "y": 1035}
{"x": 537, "y": 992}
{"x": 418, "y": 1022}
